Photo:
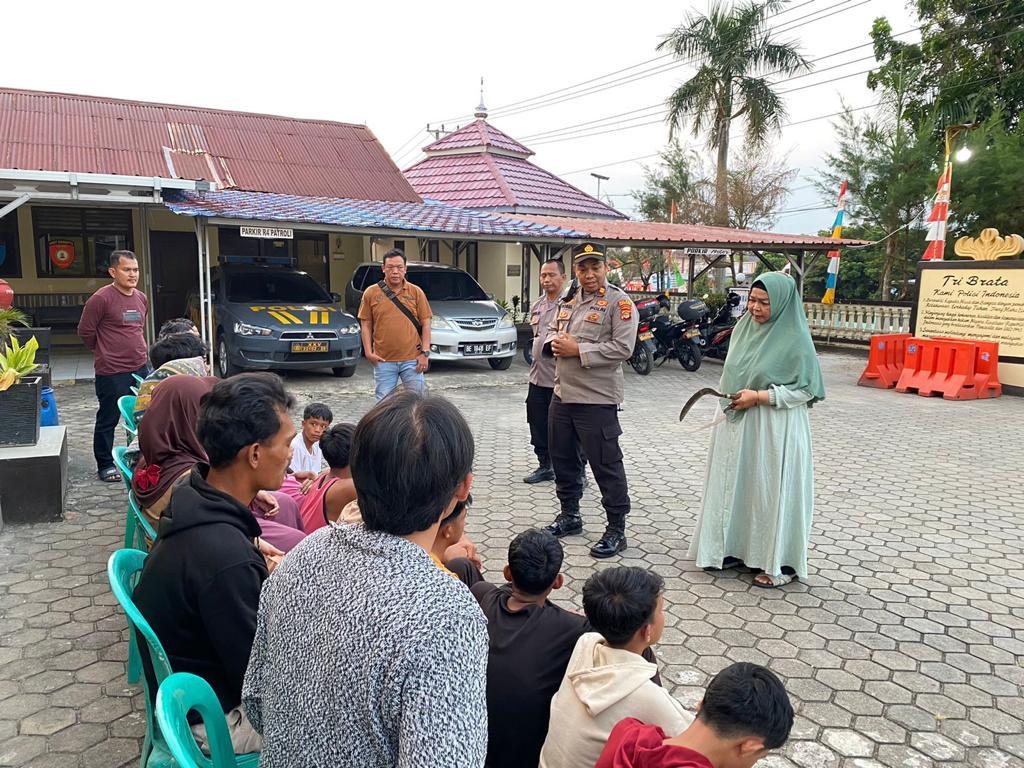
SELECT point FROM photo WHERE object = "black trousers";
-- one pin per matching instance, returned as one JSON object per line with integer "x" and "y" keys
{"x": 594, "y": 429}
{"x": 538, "y": 400}
{"x": 108, "y": 389}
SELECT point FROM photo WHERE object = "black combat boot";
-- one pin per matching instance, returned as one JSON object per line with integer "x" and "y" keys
{"x": 568, "y": 522}
{"x": 614, "y": 540}
{"x": 540, "y": 474}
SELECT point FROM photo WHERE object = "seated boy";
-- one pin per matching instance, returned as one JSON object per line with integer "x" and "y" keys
{"x": 452, "y": 551}
{"x": 200, "y": 586}
{"x": 744, "y": 715}
{"x": 531, "y": 640}
{"x": 607, "y": 678}
{"x": 171, "y": 355}
{"x": 177, "y": 325}
{"x": 334, "y": 489}
{"x": 307, "y": 459}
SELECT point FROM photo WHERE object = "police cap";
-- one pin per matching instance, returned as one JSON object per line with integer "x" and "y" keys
{"x": 585, "y": 251}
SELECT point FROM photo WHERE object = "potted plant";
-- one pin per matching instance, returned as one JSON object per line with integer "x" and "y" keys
{"x": 19, "y": 394}
{"x": 9, "y": 318}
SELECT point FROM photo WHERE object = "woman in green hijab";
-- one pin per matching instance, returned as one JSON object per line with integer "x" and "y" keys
{"x": 759, "y": 485}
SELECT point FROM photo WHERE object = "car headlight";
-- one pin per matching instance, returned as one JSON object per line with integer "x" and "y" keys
{"x": 506, "y": 321}
{"x": 436, "y": 321}
{"x": 244, "y": 329}
{"x": 349, "y": 329}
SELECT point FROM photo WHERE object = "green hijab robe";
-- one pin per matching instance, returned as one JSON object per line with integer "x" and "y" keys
{"x": 778, "y": 352}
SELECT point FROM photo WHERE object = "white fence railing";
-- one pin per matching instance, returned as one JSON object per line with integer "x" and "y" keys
{"x": 855, "y": 322}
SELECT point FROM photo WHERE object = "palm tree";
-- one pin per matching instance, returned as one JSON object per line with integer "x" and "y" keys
{"x": 734, "y": 51}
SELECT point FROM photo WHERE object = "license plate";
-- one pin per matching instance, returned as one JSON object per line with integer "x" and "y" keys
{"x": 646, "y": 336}
{"x": 310, "y": 346}
{"x": 691, "y": 333}
{"x": 478, "y": 349}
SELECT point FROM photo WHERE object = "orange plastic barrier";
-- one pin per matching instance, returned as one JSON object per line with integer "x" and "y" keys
{"x": 986, "y": 367}
{"x": 885, "y": 361}
{"x": 957, "y": 369}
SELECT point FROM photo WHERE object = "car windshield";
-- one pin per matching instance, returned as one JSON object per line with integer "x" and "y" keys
{"x": 438, "y": 284}
{"x": 275, "y": 287}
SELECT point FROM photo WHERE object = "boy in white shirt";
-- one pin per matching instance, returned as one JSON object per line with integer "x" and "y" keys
{"x": 608, "y": 678}
{"x": 307, "y": 460}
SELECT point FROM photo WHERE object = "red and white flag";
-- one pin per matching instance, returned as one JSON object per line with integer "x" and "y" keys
{"x": 937, "y": 218}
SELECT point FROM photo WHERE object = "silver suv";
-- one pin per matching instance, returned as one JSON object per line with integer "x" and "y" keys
{"x": 467, "y": 322}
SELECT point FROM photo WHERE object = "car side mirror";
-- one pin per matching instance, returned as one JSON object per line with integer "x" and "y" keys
{"x": 335, "y": 297}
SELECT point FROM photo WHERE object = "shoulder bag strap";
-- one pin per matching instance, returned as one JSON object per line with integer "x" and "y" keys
{"x": 401, "y": 307}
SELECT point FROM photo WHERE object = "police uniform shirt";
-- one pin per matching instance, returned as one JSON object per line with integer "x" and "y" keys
{"x": 604, "y": 324}
{"x": 542, "y": 313}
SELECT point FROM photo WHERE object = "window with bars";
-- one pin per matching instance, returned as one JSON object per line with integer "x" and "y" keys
{"x": 77, "y": 242}
{"x": 10, "y": 252}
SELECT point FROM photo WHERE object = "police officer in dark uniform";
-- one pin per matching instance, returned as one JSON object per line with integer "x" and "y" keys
{"x": 592, "y": 333}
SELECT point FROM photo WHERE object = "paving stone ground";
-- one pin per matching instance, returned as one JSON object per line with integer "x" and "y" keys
{"x": 904, "y": 647}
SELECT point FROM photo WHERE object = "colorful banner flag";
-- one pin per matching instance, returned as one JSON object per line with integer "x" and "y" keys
{"x": 833, "y": 256}
{"x": 937, "y": 218}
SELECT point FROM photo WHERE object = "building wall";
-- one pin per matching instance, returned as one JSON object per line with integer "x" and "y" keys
{"x": 345, "y": 253}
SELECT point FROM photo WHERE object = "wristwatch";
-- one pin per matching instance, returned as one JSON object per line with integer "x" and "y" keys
{"x": 425, "y": 353}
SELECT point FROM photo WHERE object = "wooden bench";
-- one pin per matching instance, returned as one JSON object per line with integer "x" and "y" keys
{"x": 57, "y": 311}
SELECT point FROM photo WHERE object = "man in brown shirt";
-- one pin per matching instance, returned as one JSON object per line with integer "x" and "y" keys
{"x": 396, "y": 343}
{"x": 112, "y": 326}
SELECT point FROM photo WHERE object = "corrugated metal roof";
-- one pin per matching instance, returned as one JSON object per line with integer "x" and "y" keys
{"x": 479, "y": 133}
{"x": 263, "y": 153}
{"x": 486, "y": 180}
{"x": 659, "y": 234}
{"x": 428, "y": 216}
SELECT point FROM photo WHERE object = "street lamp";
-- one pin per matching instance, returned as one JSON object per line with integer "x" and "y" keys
{"x": 952, "y": 131}
{"x": 599, "y": 178}
{"x": 963, "y": 154}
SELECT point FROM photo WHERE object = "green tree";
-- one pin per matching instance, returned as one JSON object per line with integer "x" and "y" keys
{"x": 734, "y": 51}
{"x": 671, "y": 180}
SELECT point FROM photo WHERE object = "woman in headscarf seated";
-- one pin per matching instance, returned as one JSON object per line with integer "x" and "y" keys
{"x": 759, "y": 492}
{"x": 169, "y": 449}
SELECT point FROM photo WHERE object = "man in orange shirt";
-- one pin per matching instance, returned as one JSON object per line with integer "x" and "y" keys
{"x": 395, "y": 319}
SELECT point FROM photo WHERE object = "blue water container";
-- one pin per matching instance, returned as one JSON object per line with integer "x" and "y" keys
{"x": 48, "y": 409}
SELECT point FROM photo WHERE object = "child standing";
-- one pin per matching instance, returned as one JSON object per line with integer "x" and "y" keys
{"x": 307, "y": 458}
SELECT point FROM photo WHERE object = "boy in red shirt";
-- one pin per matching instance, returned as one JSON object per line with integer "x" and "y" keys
{"x": 744, "y": 715}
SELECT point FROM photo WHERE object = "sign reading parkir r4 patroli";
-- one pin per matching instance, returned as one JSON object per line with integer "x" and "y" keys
{"x": 267, "y": 233}
{"x": 975, "y": 300}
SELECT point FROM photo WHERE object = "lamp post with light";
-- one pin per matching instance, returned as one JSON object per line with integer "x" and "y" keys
{"x": 936, "y": 234}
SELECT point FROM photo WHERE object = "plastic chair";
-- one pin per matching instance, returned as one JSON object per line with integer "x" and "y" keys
{"x": 178, "y": 695}
{"x": 126, "y": 405}
{"x": 123, "y": 569}
{"x": 138, "y": 379}
{"x": 120, "y": 456}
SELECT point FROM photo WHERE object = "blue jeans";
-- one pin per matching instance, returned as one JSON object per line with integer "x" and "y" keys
{"x": 386, "y": 376}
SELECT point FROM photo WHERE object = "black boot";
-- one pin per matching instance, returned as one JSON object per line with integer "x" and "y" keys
{"x": 540, "y": 474}
{"x": 568, "y": 522}
{"x": 613, "y": 541}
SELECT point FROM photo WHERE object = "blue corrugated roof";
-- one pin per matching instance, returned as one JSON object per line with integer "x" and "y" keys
{"x": 428, "y": 216}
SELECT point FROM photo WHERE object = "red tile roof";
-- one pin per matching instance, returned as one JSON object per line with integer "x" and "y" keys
{"x": 480, "y": 167}
{"x": 479, "y": 133}
{"x": 238, "y": 150}
{"x": 662, "y": 235}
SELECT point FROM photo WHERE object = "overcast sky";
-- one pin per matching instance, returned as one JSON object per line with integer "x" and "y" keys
{"x": 400, "y": 65}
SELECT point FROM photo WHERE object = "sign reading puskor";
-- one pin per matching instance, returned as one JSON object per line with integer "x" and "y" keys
{"x": 268, "y": 233}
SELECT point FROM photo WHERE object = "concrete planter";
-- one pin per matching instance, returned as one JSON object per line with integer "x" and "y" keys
{"x": 19, "y": 412}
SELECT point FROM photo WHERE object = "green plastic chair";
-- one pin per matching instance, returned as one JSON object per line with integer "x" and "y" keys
{"x": 123, "y": 569}
{"x": 138, "y": 379}
{"x": 181, "y": 693}
{"x": 126, "y": 405}
{"x": 120, "y": 456}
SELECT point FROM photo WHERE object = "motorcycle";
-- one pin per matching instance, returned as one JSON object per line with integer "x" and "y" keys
{"x": 675, "y": 340}
{"x": 642, "y": 359}
{"x": 715, "y": 333}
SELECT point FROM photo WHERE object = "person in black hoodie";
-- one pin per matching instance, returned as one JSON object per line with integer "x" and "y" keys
{"x": 200, "y": 586}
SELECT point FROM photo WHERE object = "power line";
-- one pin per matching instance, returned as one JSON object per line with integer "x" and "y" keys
{"x": 545, "y": 100}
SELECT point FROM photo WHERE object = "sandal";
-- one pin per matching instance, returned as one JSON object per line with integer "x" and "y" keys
{"x": 771, "y": 582}
{"x": 109, "y": 475}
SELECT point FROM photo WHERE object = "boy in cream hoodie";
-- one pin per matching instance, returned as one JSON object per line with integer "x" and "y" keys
{"x": 607, "y": 678}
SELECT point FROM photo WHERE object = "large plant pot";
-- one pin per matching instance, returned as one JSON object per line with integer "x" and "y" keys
{"x": 19, "y": 412}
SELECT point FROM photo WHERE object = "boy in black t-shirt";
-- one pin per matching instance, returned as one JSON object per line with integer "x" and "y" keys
{"x": 531, "y": 640}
